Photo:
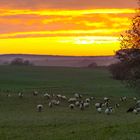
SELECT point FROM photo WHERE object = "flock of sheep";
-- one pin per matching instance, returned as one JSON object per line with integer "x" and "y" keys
{"x": 106, "y": 105}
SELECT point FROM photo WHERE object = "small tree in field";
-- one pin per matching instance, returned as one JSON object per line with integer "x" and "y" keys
{"x": 129, "y": 54}
{"x": 20, "y": 62}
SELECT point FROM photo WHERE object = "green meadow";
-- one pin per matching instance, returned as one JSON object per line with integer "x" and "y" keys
{"x": 19, "y": 119}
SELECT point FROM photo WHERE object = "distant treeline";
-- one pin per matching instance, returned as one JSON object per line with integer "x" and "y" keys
{"x": 21, "y": 62}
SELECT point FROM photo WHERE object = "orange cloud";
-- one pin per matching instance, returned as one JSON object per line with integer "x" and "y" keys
{"x": 62, "y": 32}
{"x": 9, "y": 12}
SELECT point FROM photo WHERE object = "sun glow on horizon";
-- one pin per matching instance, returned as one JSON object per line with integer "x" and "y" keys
{"x": 62, "y": 32}
{"x": 76, "y": 46}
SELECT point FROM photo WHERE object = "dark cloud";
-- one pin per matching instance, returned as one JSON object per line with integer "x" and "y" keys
{"x": 67, "y": 4}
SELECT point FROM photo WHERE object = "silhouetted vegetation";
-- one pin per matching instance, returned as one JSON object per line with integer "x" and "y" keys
{"x": 128, "y": 67}
{"x": 20, "y": 62}
{"x": 92, "y": 65}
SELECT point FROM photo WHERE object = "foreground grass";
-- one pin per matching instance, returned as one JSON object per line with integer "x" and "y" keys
{"x": 19, "y": 119}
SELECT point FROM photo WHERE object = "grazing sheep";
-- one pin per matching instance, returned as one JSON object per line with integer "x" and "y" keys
{"x": 76, "y": 95}
{"x": 134, "y": 98}
{"x": 47, "y": 95}
{"x": 9, "y": 95}
{"x": 59, "y": 96}
{"x": 80, "y": 96}
{"x": 77, "y": 103}
{"x": 138, "y": 103}
{"x": 106, "y": 99}
{"x": 81, "y": 106}
{"x": 86, "y": 105}
{"x": 63, "y": 97}
{"x": 71, "y": 106}
{"x": 72, "y": 100}
{"x": 55, "y": 102}
{"x": 58, "y": 102}
{"x": 138, "y": 109}
{"x": 39, "y": 107}
{"x": 135, "y": 111}
{"x": 123, "y": 98}
{"x": 108, "y": 110}
{"x": 92, "y": 98}
{"x": 20, "y": 94}
{"x": 99, "y": 110}
{"x": 87, "y": 100}
{"x": 102, "y": 105}
{"x": 117, "y": 105}
{"x": 35, "y": 93}
{"x": 106, "y": 104}
{"x": 50, "y": 104}
{"x": 98, "y": 105}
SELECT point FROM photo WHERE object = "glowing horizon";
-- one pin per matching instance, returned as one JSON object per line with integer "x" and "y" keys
{"x": 66, "y": 31}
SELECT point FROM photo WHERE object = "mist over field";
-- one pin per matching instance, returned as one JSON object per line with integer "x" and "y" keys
{"x": 65, "y": 61}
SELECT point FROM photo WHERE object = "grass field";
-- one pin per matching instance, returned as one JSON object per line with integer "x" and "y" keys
{"x": 19, "y": 119}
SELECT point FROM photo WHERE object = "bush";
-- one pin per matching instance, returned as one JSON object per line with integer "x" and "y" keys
{"x": 20, "y": 62}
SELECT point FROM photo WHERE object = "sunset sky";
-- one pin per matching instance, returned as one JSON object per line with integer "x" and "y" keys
{"x": 63, "y": 27}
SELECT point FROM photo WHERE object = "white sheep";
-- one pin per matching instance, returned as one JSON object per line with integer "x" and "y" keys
{"x": 64, "y": 97}
{"x": 59, "y": 96}
{"x": 9, "y": 95}
{"x": 97, "y": 105}
{"x": 106, "y": 104}
{"x": 135, "y": 111}
{"x": 106, "y": 99}
{"x": 134, "y": 98}
{"x": 108, "y": 110}
{"x": 39, "y": 107}
{"x": 72, "y": 100}
{"x": 47, "y": 95}
{"x": 123, "y": 98}
{"x": 81, "y": 106}
{"x": 71, "y": 106}
{"x": 35, "y": 93}
{"x": 138, "y": 102}
{"x": 55, "y": 102}
{"x": 86, "y": 105}
{"x": 99, "y": 110}
{"x": 87, "y": 100}
{"x": 138, "y": 109}
{"x": 20, "y": 94}
{"x": 117, "y": 105}
{"x": 92, "y": 98}
{"x": 50, "y": 104}
{"x": 77, "y": 103}
{"x": 76, "y": 95}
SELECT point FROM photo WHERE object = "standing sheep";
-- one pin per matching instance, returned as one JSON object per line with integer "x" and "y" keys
{"x": 99, "y": 110}
{"x": 39, "y": 108}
